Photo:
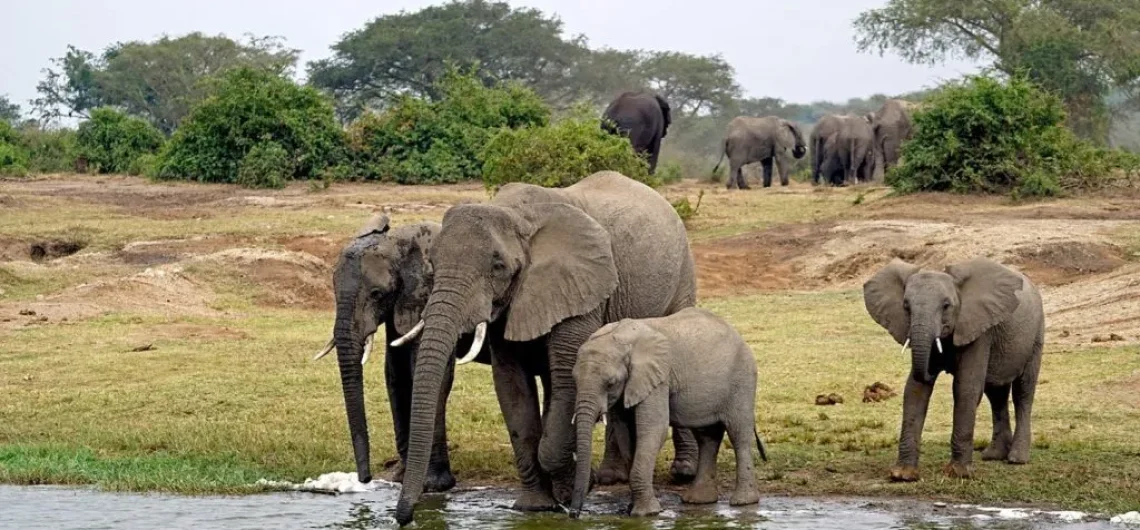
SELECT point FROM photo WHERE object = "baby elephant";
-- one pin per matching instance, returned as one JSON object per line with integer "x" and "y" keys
{"x": 979, "y": 321}
{"x": 690, "y": 370}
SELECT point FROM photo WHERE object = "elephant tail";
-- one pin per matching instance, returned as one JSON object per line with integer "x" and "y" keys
{"x": 721, "y": 159}
{"x": 760, "y": 445}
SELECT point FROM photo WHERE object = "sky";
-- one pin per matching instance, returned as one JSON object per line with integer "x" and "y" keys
{"x": 798, "y": 51}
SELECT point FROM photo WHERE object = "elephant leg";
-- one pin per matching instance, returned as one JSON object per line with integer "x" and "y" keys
{"x": 518, "y": 400}
{"x": 916, "y": 401}
{"x": 784, "y": 164}
{"x": 654, "y": 150}
{"x": 1024, "y": 388}
{"x": 398, "y": 380}
{"x": 742, "y": 182}
{"x": 998, "y": 449}
{"x": 740, "y": 433}
{"x": 732, "y": 169}
{"x": 619, "y": 452}
{"x": 969, "y": 382}
{"x": 704, "y": 490}
{"x": 685, "y": 456}
{"x": 766, "y": 164}
{"x": 652, "y": 420}
{"x": 557, "y": 446}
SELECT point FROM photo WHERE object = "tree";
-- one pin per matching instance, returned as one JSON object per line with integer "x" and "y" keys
{"x": 9, "y": 112}
{"x": 692, "y": 84}
{"x": 1078, "y": 49}
{"x": 406, "y": 53}
{"x": 69, "y": 89}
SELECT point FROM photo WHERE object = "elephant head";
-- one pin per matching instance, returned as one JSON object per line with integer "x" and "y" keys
{"x": 923, "y": 308}
{"x": 380, "y": 276}
{"x": 621, "y": 363}
{"x": 800, "y": 148}
{"x": 665, "y": 112}
{"x": 523, "y": 268}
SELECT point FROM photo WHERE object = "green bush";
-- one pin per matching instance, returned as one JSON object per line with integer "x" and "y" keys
{"x": 13, "y": 158}
{"x": 669, "y": 172}
{"x": 50, "y": 151}
{"x": 111, "y": 140}
{"x": 991, "y": 136}
{"x": 267, "y": 165}
{"x": 145, "y": 165}
{"x": 418, "y": 141}
{"x": 245, "y": 108}
{"x": 560, "y": 154}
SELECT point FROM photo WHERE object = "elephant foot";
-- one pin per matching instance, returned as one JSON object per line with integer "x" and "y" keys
{"x": 1018, "y": 455}
{"x": 744, "y": 497}
{"x": 535, "y": 501}
{"x": 958, "y": 470}
{"x": 901, "y": 473}
{"x": 646, "y": 507}
{"x": 563, "y": 488}
{"x": 683, "y": 471}
{"x": 612, "y": 474}
{"x": 439, "y": 480}
{"x": 998, "y": 450}
{"x": 701, "y": 493}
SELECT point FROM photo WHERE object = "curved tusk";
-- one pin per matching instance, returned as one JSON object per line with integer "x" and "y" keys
{"x": 409, "y": 335}
{"x": 938, "y": 342}
{"x": 905, "y": 345}
{"x": 367, "y": 348}
{"x": 604, "y": 422}
{"x": 328, "y": 347}
{"x": 476, "y": 345}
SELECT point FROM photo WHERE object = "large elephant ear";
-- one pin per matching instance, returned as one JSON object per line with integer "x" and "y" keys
{"x": 665, "y": 111}
{"x": 570, "y": 270}
{"x": 378, "y": 224}
{"x": 416, "y": 275}
{"x": 987, "y": 291}
{"x": 648, "y": 360}
{"x": 883, "y": 296}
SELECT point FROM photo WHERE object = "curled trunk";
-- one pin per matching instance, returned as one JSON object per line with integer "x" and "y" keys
{"x": 349, "y": 350}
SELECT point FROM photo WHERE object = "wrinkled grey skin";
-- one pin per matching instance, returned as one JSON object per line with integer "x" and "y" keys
{"x": 641, "y": 116}
{"x": 768, "y": 140}
{"x": 843, "y": 150}
{"x": 991, "y": 324}
{"x": 547, "y": 268}
{"x": 383, "y": 277}
{"x": 892, "y": 127}
{"x": 689, "y": 369}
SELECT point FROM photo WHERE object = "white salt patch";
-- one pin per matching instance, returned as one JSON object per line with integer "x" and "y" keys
{"x": 1068, "y": 516}
{"x": 1130, "y": 518}
{"x": 336, "y": 481}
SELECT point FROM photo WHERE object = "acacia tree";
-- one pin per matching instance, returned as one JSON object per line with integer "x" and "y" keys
{"x": 9, "y": 112}
{"x": 1079, "y": 49}
{"x": 693, "y": 85}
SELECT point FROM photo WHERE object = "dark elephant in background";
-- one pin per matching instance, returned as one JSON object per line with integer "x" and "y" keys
{"x": 892, "y": 127}
{"x": 538, "y": 270}
{"x": 641, "y": 116}
{"x": 843, "y": 150}
{"x": 384, "y": 277}
{"x": 768, "y": 140}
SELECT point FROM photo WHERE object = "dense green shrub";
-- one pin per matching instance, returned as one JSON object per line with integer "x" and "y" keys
{"x": 245, "y": 108}
{"x": 991, "y": 136}
{"x": 560, "y": 154}
{"x": 111, "y": 140}
{"x": 50, "y": 150}
{"x": 13, "y": 158}
{"x": 267, "y": 165}
{"x": 418, "y": 141}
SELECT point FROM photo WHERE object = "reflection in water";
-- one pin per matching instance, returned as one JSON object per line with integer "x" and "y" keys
{"x": 67, "y": 508}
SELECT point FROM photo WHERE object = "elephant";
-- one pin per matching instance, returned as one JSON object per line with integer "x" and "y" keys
{"x": 767, "y": 140}
{"x": 644, "y": 118}
{"x": 842, "y": 149}
{"x": 383, "y": 276}
{"x": 536, "y": 271}
{"x": 979, "y": 321}
{"x": 892, "y": 127}
{"x": 689, "y": 369}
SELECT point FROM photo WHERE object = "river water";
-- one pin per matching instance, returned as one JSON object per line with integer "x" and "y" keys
{"x": 53, "y": 507}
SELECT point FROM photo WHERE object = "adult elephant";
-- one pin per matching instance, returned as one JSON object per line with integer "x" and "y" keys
{"x": 768, "y": 140}
{"x": 892, "y": 127}
{"x": 539, "y": 270}
{"x": 641, "y": 116}
{"x": 843, "y": 149}
{"x": 384, "y": 277}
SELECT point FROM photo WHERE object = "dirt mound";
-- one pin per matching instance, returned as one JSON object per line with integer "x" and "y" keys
{"x": 1061, "y": 263}
{"x": 164, "y": 251}
{"x": 39, "y": 250}
{"x": 285, "y": 278}
{"x": 1097, "y": 306}
{"x": 758, "y": 261}
{"x": 323, "y": 246}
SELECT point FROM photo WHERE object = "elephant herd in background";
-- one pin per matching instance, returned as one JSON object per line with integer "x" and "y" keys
{"x": 536, "y": 281}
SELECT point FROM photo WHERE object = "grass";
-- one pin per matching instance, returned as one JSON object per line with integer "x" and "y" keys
{"x": 220, "y": 402}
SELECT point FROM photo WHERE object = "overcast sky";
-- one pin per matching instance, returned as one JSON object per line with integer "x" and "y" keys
{"x": 798, "y": 51}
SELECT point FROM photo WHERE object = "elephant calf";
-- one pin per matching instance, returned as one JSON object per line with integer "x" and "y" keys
{"x": 983, "y": 323}
{"x": 690, "y": 369}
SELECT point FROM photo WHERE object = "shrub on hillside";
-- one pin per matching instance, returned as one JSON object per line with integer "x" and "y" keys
{"x": 418, "y": 141}
{"x": 245, "y": 108}
{"x": 991, "y": 136}
{"x": 267, "y": 165}
{"x": 560, "y": 154}
{"x": 50, "y": 150}
{"x": 111, "y": 140}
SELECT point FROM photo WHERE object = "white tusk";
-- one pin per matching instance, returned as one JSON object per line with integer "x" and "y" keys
{"x": 604, "y": 422}
{"x": 573, "y": 419}
{"x": 409, "y": 335}
{"x": 905, "y": 344}
{"x": 367, "y": 348}
{"x": 325, "y": 351}
{"x": 938, "y": 342}
{"x": 574, "y": 456}
{"x": 476, "y": 345}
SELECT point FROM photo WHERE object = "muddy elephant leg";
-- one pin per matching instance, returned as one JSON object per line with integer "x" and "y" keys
{"x": 766, "y": 164}
{"x": 916, "y": 401}
{"x": 398, "y": 380}
{"x": 998, "y": 449}
{"x": 969, "y": 382}
{"x": 518, "y": 400}
{"x": 686, "y": 453}
{"x": 704, "y": 489}
{"x": 619, "y": 452}
{"x": 1024, "y": 388}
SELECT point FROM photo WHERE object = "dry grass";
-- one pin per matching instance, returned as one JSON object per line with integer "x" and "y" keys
{"x": 220, "y": 401}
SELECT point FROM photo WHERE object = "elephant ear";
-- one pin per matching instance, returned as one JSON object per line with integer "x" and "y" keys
{"x": 665, "y": 111}
{"x": 648, "y": 360}
{"x": 378, "y": 224}
{"x": 570, "y": 271}
{"x": 987, "y": 292}
{"x": 883, "y": 296}
{"x": 416, "y": 275}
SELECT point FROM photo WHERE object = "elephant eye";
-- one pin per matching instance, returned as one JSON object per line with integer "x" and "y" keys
{"x": 906, "y": 306}
{"x": 946, "y": 304}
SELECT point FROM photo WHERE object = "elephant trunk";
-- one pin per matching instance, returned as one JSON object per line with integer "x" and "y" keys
{"x": 441, "y": 331}
{"x": 585, "y": 417}
{"x": 349, "y": 350}
{"x": 922, "y": 337}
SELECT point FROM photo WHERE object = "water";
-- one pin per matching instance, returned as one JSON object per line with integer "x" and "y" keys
{"x": 52, "y": 507}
